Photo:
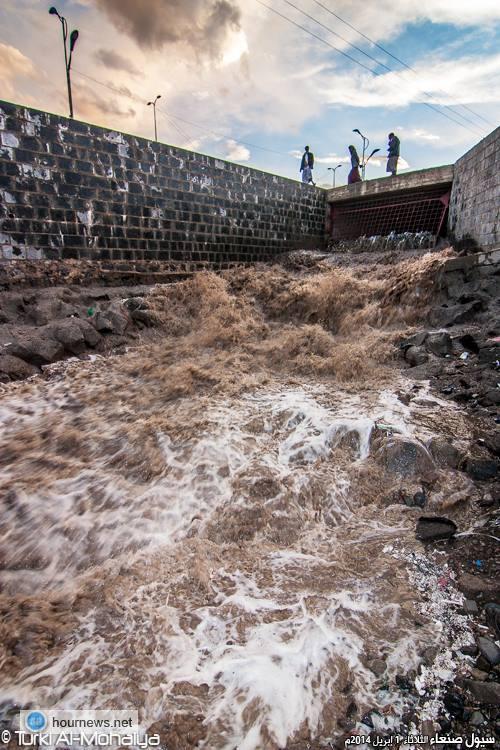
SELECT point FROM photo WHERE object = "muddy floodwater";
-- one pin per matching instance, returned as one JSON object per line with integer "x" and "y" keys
{"x": 201, "y": 528}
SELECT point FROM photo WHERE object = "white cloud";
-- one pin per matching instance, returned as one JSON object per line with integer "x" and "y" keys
{"x": 236, "y": 46}
{"x": 467, "y": 80}
{"x": 13, "y": 64}
{"x": 333, "y": 159}
{"x": 419, "y": 134}
{"x": 236, "y": 151}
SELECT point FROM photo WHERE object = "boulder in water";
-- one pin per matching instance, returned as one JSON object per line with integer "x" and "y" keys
{"x": 433, "y": 528}
{"x": 405, "y": 457}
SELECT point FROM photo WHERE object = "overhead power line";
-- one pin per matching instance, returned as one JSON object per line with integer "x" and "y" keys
{"x": 381, "y": 64}
{"x": 357, "y": 62}
{"x": 397, "y": 59}
{"x": 170, "y": 114}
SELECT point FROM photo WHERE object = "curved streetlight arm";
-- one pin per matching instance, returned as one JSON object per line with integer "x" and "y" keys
{"x": 375, "y": 151}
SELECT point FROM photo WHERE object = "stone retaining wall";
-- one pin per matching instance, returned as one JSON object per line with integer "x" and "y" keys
{"x": 475, "y": 195}
{"x": 73, "y": 190}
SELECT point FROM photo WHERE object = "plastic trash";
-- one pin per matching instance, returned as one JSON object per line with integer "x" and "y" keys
{"x": 464, "y": 355}
{"x": 386, "y": 427}
{"x": 90, "y": 312}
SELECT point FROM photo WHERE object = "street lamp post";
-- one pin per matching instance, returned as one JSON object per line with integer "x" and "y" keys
{"x": 154, "y": 113}
{"x": 67, "y": 60}
{"x": 334, "y": 169}
{"x": 365, "y": 146}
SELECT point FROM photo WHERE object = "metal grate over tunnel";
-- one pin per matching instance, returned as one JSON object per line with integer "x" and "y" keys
{"x": 417, "y": 210}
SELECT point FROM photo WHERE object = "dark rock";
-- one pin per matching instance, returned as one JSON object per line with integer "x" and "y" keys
{"x": 454, "y": 704}
{"x": 492, "y": 396}
{"x": 489, "y": 650}
{"x": 477, "y": 586}
{"x": 416, "y": 355}
{"x": 478, "y": 674}
{"x": 469, "y": 342}
{"x": 444, "y": 452}
{"x": 484, "y": 692}
{"x": 492, "y": 442}
{"x": 482, "y": 664}
{"x": 416, "y": 340}
{"x": 377, "y": 666}
{"x": 476, "y": 719}
{"x": 492, "y": 612}
{"x": 470, "y": 608}
{"x": 368, "y": 721}
{"x": 405, "y": 457}
{"x": 90, "y": 335}
{"x": 403, "y": 682}
{"x": 448, "y": 316}
{"x": 70, "y": 335}
{"x": 111, "y": 321}
{"x": 145, "y": 317}
{"x": 14, "y": 368}
{"x": 444, "y": 724}
{"x": 489, "y": 354}
{"x": 419, "y": 499}
{"x": 462, "y": 396}
{"x": 37, "y": 351}
{"x": 431, "y": 528}
{"x": 439, "y": 343}
{"x": 470, "y": 649}
{"x": 486, "y": 501}
{"x": 481, "y": 469}
{"x": 408, "y": 497}
{"x": 135, "y": 303}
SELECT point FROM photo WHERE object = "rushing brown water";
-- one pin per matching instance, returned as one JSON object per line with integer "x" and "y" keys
{"x": 199, "y": 529}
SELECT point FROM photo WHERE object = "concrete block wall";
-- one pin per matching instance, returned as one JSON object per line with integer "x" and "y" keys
{"x": 475, "y": 194}
{"x": 73, "y": 190}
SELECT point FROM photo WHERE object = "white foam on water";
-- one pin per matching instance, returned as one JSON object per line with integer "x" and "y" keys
{"x": 279, "y": 638}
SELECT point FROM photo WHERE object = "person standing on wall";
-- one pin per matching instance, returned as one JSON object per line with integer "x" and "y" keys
{"x": 307, "y": 166}
{"x": 393, "y": 154}
{"x": 353, "y": 175}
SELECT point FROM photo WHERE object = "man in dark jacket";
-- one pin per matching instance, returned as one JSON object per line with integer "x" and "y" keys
{"x": 307, "y": 166}
{"x": 393, "y": 154}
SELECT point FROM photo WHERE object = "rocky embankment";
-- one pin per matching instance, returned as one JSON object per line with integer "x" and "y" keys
{"x": 459, "y": 353}
{"x": 50, "y": 311}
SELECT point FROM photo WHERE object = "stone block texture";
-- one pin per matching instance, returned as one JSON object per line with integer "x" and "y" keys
{"x": 475, "y": 195}
{"x": 73, "y": 190}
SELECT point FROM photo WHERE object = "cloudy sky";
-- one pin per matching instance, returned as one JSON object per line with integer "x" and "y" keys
{"x": 240, "y": 81}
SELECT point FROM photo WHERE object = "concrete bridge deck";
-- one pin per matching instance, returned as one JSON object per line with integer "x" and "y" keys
{"x": 421, "y": 178}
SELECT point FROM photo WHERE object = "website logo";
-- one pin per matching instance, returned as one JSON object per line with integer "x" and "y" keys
{"x": 36, "y": 721}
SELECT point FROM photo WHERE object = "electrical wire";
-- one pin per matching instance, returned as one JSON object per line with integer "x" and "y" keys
{"x": 170, "y": 114}
{"x": 397, "y": 59}
{"x": 357, "y": 62}
{"x": 383, "y": 65}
